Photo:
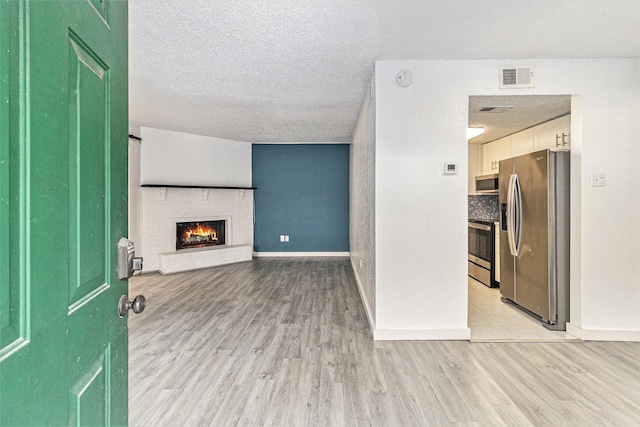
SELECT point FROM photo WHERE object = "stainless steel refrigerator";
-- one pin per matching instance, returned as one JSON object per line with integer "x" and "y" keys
{"x": 534, "y": 235}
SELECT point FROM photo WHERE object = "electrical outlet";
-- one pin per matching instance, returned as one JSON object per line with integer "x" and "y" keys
{"x": 598, "y": 180}
{"x": 282, "y": 237}
{"x": 286, "y": 238}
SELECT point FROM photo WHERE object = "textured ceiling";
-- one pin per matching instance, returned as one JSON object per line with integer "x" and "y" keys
{"x": 298, "y": 70}
{"x": 498, "y": 29}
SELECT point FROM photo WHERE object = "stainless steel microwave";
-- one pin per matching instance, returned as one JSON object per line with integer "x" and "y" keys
{"x": 487, "y": 183}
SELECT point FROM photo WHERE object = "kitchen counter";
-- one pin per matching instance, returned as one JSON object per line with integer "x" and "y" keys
{"x": 480, "y": 219}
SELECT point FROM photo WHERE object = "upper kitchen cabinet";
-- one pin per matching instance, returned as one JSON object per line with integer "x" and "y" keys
{"x": 493, "y": 152}
{"x": 554, "y": 135}
{"x": 522, "y": 142}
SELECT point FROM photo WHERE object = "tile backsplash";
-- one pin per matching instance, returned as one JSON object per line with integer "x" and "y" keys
{"x": 483, "y": 207}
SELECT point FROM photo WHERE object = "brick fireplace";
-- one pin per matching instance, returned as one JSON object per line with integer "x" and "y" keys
{"x": 218, "y": 223}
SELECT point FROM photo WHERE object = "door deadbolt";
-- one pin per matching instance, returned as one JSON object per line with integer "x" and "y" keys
{"x": 128, "y": 262}
{"x": 137, "y": 305}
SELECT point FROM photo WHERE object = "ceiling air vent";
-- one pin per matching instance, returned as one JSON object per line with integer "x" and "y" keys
{"x": 516, "y": 77}
{"x": 494, "y": 110}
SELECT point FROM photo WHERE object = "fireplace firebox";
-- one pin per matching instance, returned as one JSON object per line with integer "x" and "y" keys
{"x": 198, "y": 234}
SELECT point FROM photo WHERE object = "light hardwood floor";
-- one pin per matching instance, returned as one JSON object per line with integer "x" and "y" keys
{"x": 285, "y": 342}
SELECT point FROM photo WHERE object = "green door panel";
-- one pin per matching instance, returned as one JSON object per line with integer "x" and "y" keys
{"x": 89, "y": 396}
{"x": 88, "y": 180}
{"x": 63, "y": 208}
{"x": 12, "y": 301}
{"x": 102, "y": 8}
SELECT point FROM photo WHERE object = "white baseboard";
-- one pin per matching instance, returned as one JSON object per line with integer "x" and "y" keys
{"x": 574, "y": 330}
{"x": 422, "y": 334}
{"x": 603, "y": 334}
{"x": 367, "y": 308}
{"x": 299, "y": 254}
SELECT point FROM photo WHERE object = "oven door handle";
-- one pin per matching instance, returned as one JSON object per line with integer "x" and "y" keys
{"x": 483, "y": 227}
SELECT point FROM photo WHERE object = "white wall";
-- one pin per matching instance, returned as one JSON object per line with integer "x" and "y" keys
{"x": 134, "y": 191}
{"x": 421, "y": 214}
{"x": 177, "y": 158}
{"x": 135, "y": 217}
{"x": 361, "y": 209}
{"x": 421, "y": 233}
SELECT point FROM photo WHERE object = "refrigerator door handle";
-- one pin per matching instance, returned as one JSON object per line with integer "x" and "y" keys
{"x": 512, "y": 247}
{"x": 518, "y": 215}
{"x": 514, "y": 215}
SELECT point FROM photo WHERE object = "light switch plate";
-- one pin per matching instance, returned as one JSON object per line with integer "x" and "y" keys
{"x": 598, "y": 180}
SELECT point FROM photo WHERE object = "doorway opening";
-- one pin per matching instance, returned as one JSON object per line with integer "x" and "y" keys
{"x": 512, "y": 126}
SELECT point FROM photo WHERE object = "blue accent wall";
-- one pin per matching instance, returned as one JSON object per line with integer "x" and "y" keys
{"x": 303, "y": 192}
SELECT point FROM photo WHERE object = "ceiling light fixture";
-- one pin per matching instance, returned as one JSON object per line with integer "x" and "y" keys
{"x": 473, "y": 132}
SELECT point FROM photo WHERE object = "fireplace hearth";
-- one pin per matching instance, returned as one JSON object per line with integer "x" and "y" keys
{"x": 199, "y": 234}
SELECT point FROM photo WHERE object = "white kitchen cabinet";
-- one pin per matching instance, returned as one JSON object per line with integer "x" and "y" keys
{"x": 522, "y": 142}
{"x": 488, "y": 158}
{"x": 493, "y": 152}
{"x": 554, "y": 135}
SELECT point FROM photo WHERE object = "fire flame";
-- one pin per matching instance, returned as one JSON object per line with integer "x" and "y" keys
{"x": 201, "y": 231}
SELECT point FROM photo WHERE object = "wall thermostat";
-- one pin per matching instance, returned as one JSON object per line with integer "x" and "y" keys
{"x": 404, "y": 78}
{"x": 450, "y": 168}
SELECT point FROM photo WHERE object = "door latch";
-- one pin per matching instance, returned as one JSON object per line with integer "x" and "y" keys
{"x": 137, "y": 305}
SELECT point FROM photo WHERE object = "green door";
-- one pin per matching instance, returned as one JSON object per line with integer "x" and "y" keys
{"x": 63, "y": 208}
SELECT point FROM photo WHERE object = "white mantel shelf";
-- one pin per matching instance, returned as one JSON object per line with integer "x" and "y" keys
{"x": 199, "y": 186}
{"x": 193, "y": 259}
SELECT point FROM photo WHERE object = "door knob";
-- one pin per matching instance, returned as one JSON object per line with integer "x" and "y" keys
{"x": 137, "y": 305}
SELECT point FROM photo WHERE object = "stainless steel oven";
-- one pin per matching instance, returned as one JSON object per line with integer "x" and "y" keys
{"x": 482, "y": 252}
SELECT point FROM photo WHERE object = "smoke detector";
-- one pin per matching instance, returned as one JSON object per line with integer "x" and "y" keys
{"x": 404, "y": 78}
{"x": 516, "y": 77}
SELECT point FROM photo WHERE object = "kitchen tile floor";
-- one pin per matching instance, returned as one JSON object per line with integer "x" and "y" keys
{"x": 490, "y": 319}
